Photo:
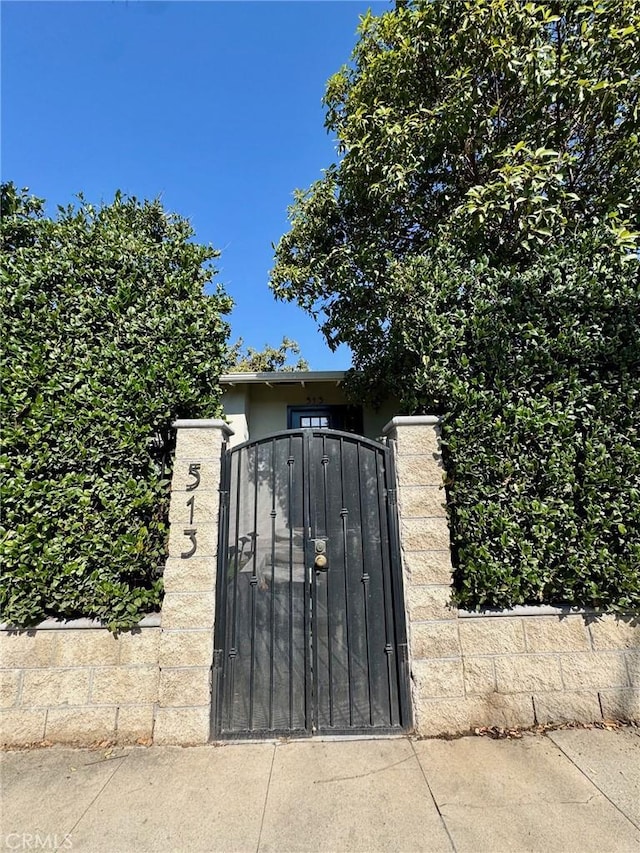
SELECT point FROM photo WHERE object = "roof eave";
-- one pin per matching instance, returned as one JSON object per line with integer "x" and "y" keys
{"x": 283, "y": 377}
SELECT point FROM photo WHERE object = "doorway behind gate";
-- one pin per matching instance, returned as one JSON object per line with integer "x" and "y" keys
{"x": 310, "y": 626}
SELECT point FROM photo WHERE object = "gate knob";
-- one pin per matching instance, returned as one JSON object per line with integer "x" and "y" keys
{"x": 320, "y": 561}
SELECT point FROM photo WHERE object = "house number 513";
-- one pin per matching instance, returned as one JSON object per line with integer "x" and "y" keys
{"x": 191, "y": 531}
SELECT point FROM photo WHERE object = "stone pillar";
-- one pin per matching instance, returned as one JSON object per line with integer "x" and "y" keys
{"x": 186, "y": 641}
{"x": 453, "y": 688}
{"x": 434, "y": 644}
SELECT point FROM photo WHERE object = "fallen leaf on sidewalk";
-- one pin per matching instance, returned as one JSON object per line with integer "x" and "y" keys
{"x": 497, "y": 732}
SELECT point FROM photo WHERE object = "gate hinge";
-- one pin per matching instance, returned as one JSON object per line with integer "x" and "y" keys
{"x": 217, "y": 658}
{"x": 392, "y": 495}
{"x": 224, "y": 498}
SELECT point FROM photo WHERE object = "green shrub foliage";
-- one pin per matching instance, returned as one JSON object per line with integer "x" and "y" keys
{"x": 108, "y": 336}
{"x": 538, "y": 374}
{"x": 477, "y": 247}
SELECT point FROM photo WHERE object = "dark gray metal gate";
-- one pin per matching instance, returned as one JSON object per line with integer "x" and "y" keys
{"x": 310, "y": 625}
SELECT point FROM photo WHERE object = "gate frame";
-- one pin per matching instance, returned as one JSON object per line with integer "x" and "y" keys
{"x": 397, "y": 587}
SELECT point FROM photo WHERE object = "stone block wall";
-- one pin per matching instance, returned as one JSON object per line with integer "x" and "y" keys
{"x": 537, "y": 665}
{"x": 78, "y": 683}
{"x": 517, "y": 668}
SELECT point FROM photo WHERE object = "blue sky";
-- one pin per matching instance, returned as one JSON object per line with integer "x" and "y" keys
{"x": 213, "y": 106}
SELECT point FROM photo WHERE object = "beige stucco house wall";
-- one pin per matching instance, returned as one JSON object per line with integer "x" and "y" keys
{"x": 255, "y": 404}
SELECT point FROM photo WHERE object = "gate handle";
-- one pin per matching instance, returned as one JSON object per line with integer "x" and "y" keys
{"x": 320, "y": 563}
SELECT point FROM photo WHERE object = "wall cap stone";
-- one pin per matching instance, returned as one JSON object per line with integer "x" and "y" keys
{"x": 150, "y": 621}
{"x": 203, "y": 423}
{"x": 541, "y": 610}
{"x": 410, "y": 420}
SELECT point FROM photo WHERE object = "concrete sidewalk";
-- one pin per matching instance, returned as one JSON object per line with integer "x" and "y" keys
{"x": 572, "y": 790}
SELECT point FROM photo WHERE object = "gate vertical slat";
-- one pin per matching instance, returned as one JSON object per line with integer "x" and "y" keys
{"x": 321, "y": 629}
{"x": 233, "y": 651}
{"x": 344, "y": 514}
{"x": 375, "y": 548}
{"x": 399, "y": 623}
{"x": 318, "y": 532}
{"x": 272, "y": 645}
{"x": 254, "y": 583}
{"x": 290, "y": 464}
{"x": 220, "y": 622}
{"x": 309, "y": 601}
{"x": 365, "y": 587}
{"x": 388, "y": 602}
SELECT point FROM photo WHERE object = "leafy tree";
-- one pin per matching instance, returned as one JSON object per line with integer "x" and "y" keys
{"x": 494, "y": 125}
{"x": 268, "y": 360}
{"x": 476, "y": 246}
{"x": 108, "y": 337}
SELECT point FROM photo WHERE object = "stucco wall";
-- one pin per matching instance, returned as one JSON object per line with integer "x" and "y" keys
{"x": 525, "y": 666}
{"x": 256, "y": 410}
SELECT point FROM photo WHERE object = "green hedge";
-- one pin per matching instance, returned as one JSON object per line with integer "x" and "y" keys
{"x": 542, "y": 430}
{"x": 108, "y": 337}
